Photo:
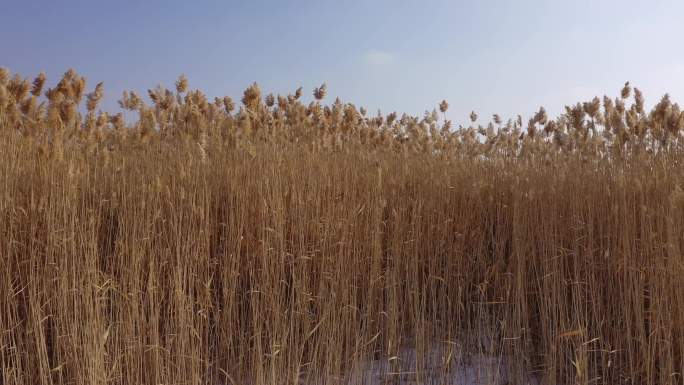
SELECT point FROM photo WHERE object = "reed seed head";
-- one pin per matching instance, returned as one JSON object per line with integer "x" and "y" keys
{"x": 443, "y": 106}
{"x": 320, "y": 92}
{"x": 182, "y": 84}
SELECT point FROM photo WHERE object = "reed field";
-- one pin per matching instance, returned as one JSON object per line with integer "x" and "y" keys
{"x": 271, "y": 241}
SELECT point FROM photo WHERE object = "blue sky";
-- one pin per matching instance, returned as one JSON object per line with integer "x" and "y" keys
{"x": 504, "y": 57}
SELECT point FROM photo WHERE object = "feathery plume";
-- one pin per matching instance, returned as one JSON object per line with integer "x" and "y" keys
{"x": 228, "y": 104}
{"x": 320, "y": 92}
{"x": 269, "y": 100}
{"x": 252, "y": 96}
{"x": 541, "y": 117}
{"x": 95, "y": 97}
{"x": 639, "y": 100}
{"x": 38, "y": 84}
{"x": 182, "y": 84}
{"x": 443, "y": 106}
{"x": 626, "y": 90}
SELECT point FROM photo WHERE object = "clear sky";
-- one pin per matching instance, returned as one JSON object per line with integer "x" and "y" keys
{"x": 506, "y": 57}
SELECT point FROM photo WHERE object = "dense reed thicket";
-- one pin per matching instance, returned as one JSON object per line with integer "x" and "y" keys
{"x": 284, "y": 243}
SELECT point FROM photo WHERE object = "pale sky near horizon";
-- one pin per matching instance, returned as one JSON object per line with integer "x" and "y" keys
{"x": 490, "y": 56}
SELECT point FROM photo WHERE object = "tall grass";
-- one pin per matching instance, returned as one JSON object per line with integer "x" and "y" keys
{"x": 286, "y": 243}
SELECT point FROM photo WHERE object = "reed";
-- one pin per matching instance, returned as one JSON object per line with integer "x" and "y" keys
{"x": 288, "y": 243}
